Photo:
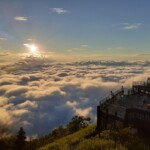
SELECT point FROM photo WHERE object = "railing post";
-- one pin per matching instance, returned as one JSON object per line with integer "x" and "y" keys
{"x": 98, "y": 119}
{"x": 106, "y": 118}
{"x": 122, "y": 90}
{"x": 126, "y": 119}
{"x": 115, "y": 119}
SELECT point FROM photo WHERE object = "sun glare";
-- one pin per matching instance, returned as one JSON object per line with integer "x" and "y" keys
{"x": 32, "y": 48}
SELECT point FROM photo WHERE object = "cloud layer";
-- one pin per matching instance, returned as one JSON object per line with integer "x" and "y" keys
{"x": 41, "y": 96}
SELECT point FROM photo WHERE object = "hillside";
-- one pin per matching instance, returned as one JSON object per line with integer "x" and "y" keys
{"x": 79, "y": 140}
{"x": 86, "y": 139}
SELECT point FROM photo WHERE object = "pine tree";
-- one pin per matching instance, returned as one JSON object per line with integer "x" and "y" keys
{"x": 21, "y": 136}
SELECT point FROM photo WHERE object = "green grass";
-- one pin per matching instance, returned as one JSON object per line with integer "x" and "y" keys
{"x": 86, "y": 139}
{"x": 83, "y": 140}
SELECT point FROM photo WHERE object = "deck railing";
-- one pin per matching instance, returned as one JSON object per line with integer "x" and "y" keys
{"x": 110, "y": 96}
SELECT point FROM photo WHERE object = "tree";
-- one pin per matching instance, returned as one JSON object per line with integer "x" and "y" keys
{"x": 77, "y": 123}
{"x": 58, "y": 132}
{"x": 20, "y": 142}
{"x": 7, "y": 143}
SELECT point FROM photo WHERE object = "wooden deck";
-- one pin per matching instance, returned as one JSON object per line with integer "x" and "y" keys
{"x": 109, "y": 109}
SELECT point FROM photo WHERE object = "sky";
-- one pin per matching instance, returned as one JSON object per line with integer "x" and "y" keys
{"x": 82, "y": 49}
{"x": 101, "y": 27}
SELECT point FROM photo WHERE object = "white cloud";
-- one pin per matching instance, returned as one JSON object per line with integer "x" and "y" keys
{"x": 30, "y": 39}
{"x": 83, "y": 112}
{"x": 59, "y": 10}
{"x": 47, "y": 94}
{"x": 77, "y": 49}
{"x": 20, "y": 112}
{"x": 5, "y": 118}
{"x": 3, "y": 39}
{"x": 3, "y": 101}
{"x": 131, "y": 26}
{"x": 28, "y": 104}
{"x": 71, "y": 103}
{"x": 20, "y": 18}
{"x": 143, "y": 54}
{"x": 84, "y": 45}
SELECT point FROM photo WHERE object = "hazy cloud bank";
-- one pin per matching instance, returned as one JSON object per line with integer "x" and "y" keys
{"x": 41, "y": 96}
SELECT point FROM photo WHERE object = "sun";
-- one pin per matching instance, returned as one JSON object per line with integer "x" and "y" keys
{"x": 32, "y": 48}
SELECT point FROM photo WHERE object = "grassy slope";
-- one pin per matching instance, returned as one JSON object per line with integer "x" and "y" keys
{"x": 83, "y": 140}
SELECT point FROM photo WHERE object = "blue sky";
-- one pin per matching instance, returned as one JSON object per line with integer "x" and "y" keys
{"x": 76, "y": 26}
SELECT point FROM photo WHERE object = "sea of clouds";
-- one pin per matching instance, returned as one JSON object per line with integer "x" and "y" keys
{"x": 40, "y": 95}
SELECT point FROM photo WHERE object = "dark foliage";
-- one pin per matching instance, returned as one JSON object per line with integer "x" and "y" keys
{"x": 20, "y": 142}
{"x": 77, "y": 123}
{"x": 7, "y": 143}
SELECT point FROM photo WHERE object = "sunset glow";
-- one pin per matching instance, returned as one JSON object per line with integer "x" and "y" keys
{"x": 65, "y": 58}
{"x": 32, "y": 48}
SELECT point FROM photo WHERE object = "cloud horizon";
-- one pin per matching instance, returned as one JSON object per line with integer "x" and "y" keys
{"x": 40, "y": 96}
